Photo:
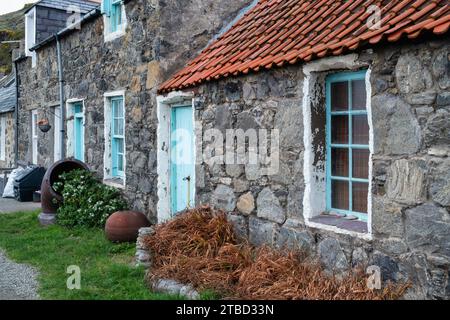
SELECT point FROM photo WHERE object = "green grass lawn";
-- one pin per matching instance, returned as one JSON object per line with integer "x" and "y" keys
{"x": 107, "y": 270}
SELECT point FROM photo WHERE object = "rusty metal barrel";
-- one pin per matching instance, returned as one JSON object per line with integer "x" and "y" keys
{"x": 50, "y": 199}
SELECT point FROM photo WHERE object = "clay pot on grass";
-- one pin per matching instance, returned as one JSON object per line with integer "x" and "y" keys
{"x": 123, "y": 226}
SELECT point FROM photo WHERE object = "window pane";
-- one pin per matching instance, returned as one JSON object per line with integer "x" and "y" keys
{"x": 360, "y": 192}
{"x": 361, "y": 163}
{"x": 115, "y": 106}
{"x": 339, "y": 195}
{"x": 339, "y": 129}
{"x": 120, "y": 146}
{"x": 116, "y": 126}
{"x": 360, "y": 130}
{"x": 339, "y": 96}
{"x": 359, "y": 95}
{"x": 339, "y": 162}
{"x": 120, "y": 163}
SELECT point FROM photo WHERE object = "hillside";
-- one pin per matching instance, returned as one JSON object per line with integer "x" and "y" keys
{"x": 11, "y": 28}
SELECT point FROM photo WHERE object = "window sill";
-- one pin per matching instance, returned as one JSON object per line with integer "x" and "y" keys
{"x": 341, "y": 225}
{"x": 115, "y": 182}
{"x": 114, "y": 35}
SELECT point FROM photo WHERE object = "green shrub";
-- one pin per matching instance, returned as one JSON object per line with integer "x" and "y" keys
{"x": 87, "y": 202}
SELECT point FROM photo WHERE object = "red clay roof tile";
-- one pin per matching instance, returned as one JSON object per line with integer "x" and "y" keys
{"x": 280, "y": 32}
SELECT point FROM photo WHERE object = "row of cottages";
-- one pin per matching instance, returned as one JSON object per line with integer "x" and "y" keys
{"x": 322, "y": 125}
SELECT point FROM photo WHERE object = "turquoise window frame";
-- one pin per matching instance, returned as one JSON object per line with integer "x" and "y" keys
{"x": 342, "y": 77}
{"x": 115, "y": 15}
{"x": 78, "y": 145}
{"x": 117, "y": 137}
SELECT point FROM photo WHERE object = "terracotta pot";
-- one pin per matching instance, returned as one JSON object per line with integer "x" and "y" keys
{"x": 123, "y": 226}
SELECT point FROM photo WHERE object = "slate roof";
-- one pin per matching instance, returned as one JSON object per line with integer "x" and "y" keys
{"x": 84, "y": 5}
{"x": 282, "y": 32}
{"x": 7, "y": 94}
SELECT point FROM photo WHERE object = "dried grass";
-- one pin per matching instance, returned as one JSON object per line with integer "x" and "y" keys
{"x": 199, "y": 247}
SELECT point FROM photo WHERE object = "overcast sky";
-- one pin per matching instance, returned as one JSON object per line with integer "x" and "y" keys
{"x": 12, "y": 5}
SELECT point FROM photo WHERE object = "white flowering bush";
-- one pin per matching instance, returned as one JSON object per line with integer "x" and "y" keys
{"x": 87, "y": 202}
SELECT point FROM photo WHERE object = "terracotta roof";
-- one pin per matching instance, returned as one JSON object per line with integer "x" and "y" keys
{"x": 281, "y": 32}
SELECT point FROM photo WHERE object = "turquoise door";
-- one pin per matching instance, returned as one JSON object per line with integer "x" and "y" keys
{"x": 78, "y": 140}
{"x": 182, "y": 169}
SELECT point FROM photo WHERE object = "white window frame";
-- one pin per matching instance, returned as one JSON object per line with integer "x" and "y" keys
{"x": 30, "y": 39}
{"x": 108, "y": 178}
{"x": 121, "y": 29}
{"x": 314, "y": 198}
{"x": 2, "y": 137}
{"x": 34, "y": 136}
{"x": 57, "y": 134}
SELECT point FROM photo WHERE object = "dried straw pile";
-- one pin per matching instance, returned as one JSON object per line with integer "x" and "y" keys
{"x": 199, "y": 247}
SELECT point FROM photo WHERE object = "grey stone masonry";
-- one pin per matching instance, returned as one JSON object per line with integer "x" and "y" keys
{"x": 408, "y": 236}
{"x": 161, "y": 36}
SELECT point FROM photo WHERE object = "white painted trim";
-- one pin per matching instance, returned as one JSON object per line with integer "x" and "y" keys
{"x": 34, "y": 136}
{"x": 2, "y": 137}
{"x": 108, "y": 179}
{"x": 31, "y": 15}
{"x": 110, "y": 36}
{"x": 311, "y": 195}
{"x": 57, "y": 134}
{"x": 163, "y": 109}
{"x": 70, "y": 127}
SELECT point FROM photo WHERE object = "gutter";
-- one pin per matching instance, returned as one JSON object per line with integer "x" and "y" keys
{"x": 91, "y": 15}
{"x": 61, "y": 97}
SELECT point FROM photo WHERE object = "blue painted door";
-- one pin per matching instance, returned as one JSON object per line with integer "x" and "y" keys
{"x": 182, "y": 169}
{"x": 78, "y": 141}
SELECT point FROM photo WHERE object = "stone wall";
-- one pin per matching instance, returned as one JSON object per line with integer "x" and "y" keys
{"x": 160, "y": 37}
{"x": 410, "y": 183}
{"x": 9, "y": 137}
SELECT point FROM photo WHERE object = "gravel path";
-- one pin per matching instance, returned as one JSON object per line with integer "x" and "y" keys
{"x": 17, "y": 281}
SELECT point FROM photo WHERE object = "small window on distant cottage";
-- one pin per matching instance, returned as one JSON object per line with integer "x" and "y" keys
{"x": 2, "y": 138}
{"x": 117, "y": 137}
{"x": 114, "y": 16}
{"x": 347, "y": 145}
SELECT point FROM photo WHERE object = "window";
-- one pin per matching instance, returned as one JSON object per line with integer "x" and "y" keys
{"x": 115, "y": 21}
{"x": 347, "y": 142}
{"x": 2, "y": 138}
{"x": 117, "y": 136}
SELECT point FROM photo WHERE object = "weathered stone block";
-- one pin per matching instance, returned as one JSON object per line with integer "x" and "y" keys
{"x": 261, "y": 232}
{"x": 422, "y": 98}
{"x": 440, "y": 183}
{"x": 396, "y": 130}
{"x": 386, "y": 218}
{"x": 269, "y": 206}
{"x": 427, "y": 228}
{"x": 437, "y": 130}
{"x": 246, "y": 203}
{"x": 223, "y": 198}
{"x": 412, "y": 75}
{"x": 332, "y": 256}
{"x": 240, "y": 225}
{"x": 295, "y": 239}
{"x": 406, "y": 181}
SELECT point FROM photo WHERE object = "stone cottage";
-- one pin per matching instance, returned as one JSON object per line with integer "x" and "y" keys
{"x": 315, "y": 124}
{"x": 112, "y": 60}
{"x": 325, "y": 126}
{"x": 7, "y": 121}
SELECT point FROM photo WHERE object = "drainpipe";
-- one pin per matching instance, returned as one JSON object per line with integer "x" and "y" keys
{"x": 61, "y": 98}
{"x": 16, "y": 118}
